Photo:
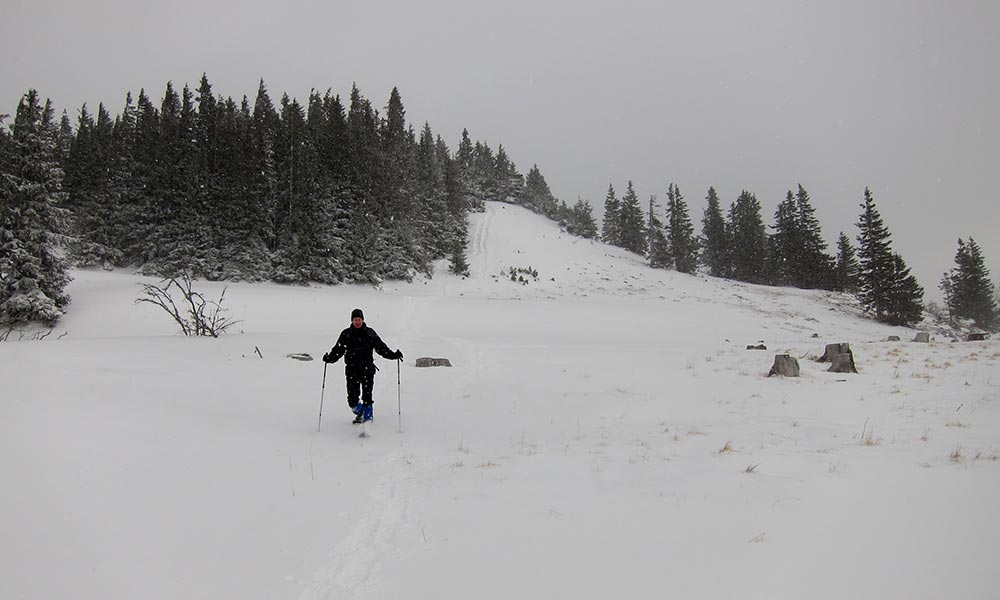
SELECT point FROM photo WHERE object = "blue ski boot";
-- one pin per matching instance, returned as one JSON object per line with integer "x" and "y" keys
{"x": 367, "y": 413}
{"x": 358, "y": 414}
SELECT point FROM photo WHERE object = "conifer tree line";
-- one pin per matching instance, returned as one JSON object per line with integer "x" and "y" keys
{"x": 335, "y": 191}
{"x": 736, "y": 244}
{"x": 327, "y": 191}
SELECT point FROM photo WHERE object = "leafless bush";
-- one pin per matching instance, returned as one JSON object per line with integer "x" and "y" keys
{"x": 22, "y": 337}
{"x": 197, "y": 315}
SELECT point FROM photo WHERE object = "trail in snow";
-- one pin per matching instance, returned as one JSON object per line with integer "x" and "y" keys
{"x": 352, "y": 567}
{"x": 480, "y": 238}
{"x": 351, "y": 572}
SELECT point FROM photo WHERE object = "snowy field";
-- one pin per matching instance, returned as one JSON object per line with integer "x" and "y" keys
{"x": 604, "y": 433}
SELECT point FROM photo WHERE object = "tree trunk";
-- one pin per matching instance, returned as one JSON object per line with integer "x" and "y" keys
{"x": 785, "y": 365}
{"x": 834, "y": 350}
{"x": 843, "y": 363}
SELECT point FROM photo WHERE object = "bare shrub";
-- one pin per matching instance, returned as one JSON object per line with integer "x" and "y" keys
{"x": 199, "y": 316}
{"x": 22, "y": 337}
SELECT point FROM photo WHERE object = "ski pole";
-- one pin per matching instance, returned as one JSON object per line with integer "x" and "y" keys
{"x": 399, "y": 402}
{"x": 321, "y": 393}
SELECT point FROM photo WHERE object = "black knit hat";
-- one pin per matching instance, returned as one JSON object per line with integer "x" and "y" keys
{"x": 357, "y": 313}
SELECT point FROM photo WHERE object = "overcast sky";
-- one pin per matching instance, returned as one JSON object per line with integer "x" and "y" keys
{"x": 900, "y": 96}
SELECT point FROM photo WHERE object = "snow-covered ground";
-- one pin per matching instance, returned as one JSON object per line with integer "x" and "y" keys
{"x": 604, "y": 433}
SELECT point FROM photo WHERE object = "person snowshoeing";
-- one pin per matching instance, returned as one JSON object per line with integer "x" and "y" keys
{"x": 356, "y": 344}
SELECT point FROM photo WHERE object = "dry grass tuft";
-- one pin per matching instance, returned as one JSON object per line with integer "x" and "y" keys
{"x": 751, "y": 469}
{"x": 870, "y": 440}
{"x": 727, "y": 449}
{"x": 868, "y": 436}
{"x": 956, "y": 454}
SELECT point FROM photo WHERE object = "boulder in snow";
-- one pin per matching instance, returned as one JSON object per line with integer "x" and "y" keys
{"x": 426, "y": 361}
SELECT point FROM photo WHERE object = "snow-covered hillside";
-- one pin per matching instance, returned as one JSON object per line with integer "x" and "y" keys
{"x": 604, "y": 432}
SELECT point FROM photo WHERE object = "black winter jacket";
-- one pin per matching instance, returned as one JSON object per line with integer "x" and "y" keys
{"x": 356, "y": 345}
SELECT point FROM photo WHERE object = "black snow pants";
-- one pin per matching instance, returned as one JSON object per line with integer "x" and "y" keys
{"x": 360, "y": 381}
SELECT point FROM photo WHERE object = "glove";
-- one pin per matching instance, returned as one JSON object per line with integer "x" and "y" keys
{"x": 398, "y": 355}
{"x": 328, "y": 359}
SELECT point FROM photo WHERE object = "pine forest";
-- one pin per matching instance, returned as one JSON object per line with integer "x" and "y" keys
{"x": 337, "y": 191}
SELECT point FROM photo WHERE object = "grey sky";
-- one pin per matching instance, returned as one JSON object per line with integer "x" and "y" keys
{"x": 900, "y": 96}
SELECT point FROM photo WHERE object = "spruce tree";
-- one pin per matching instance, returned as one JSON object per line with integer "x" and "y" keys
{"x": 64, "y": 138}
{"x": 875, "y": 258}
{"x": 464, "y": 155}
{"x": 33, "y": 274}
{"x": 508, "y": 183}
{"x": 236, "y": 214}
{"x": 92, "y": 184}
{"x": 714, "y": 238}
{"x": 537, "y": 195}
{"x": 797, "y": 253}
{"x": 815, "y": 265}
{"x": 362, "y": 146}
{"x": 748, "y": 239}
{"x": 659, "y": 248}
{"x": 846, "y": 270}
{"x": 680, "y": 233}
{"x": 632, "y": 223}
{"x": 125, "y": 194}
{"x": 905, "y": 305}
{"x": 263, "y": 185}
{"x": 887, "y": 289}
{"x": 579, "y": 220}
{"x": 967, "y": 289}
{"x": 611, "y": 229}
{"x": 436, "y": 228}
{"x": 475, "y": 165}
{"x": 396, "y": 175}
{"x": 458, "y": 265}
{"x": 179, "y": 237}
{"x": 786, "y": 245}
